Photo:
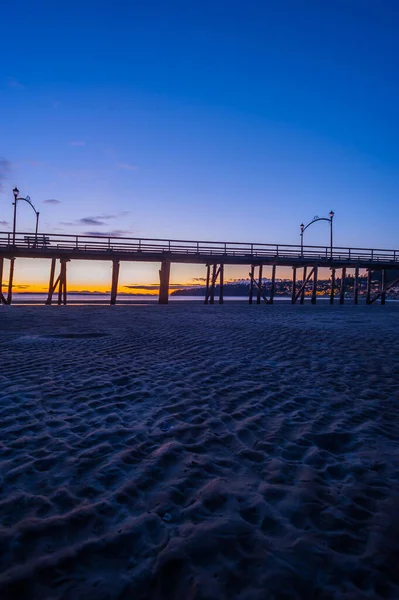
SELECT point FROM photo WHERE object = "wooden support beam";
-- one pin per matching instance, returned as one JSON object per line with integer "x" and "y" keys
{"x": 10, "y": 281}
{"x": 332, "y": 291}
{"x": 314, "y": 290}
{"x": 115, "y": 277}
{"x": 293, "y": 285}
{"x": 208, "y": 275}
{"x": 221, "y": 283}
{"x": 383, "y": 291}
{"x": 383, "y": 285}
{"x": 368, "y": 295}
{"x": 164, "y": 276}
{"x": 51, "y": 285}
{"x": 251, "y": 284}
{"x": 259, "y": 286}
{"x": 273, "y": 285}
{"x": 304, "y": 280}
{"x": 343, "y": 283}
{"x": 356, "y": 287}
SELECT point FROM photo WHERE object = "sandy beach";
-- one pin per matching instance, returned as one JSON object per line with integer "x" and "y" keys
{"x": 189, "y": 452}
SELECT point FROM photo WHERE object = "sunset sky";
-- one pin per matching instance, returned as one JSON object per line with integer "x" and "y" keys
{"x": 199, "y": 120}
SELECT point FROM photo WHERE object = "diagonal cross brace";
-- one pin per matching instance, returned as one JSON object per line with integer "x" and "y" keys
{"x": 262, "y": 293}
{"x": 212, "y": 284}
{"x": 302, "y": 288}
{"x": 387, "y": 287}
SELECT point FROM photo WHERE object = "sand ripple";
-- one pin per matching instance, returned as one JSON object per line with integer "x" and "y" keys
{"x": 191, "y": 452}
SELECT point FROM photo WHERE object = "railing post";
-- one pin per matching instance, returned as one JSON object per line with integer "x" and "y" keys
{"x": 109, "y": 243}
{"x": 197, "y": 247}
{"x": 252, "y": 248}
{"x": 225, "y": 248}
{"x": 77, "y": 243}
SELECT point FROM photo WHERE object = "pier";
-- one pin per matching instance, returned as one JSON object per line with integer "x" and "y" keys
{"x": 305, "y": 262}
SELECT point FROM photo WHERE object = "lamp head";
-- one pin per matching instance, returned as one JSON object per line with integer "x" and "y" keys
{"x": 331, "y": 214}
{"x": 15, "y": 192}
{"x": 302, "y": 227}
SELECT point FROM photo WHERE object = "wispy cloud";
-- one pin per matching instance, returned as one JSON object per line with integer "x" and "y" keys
{"x": 77, "y": 143}
{"x": 5, "y": 168}
{"x": 89, "y": 221}
{"x": 127, "y": 166}
{"x": 51, "y": 201}
{"x": 113, "y": 233}
{"x": 14, "y": 83}
{"x": 4, "y": 223}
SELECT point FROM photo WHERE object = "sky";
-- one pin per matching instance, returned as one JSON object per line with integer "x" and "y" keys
{"x": 209, "y": 120}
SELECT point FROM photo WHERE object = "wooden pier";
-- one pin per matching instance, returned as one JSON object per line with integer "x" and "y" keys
{"x": 213, "y": 255}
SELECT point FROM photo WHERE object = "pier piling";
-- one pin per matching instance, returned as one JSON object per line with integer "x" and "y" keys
{"x": 221, "y": 283}
{"x": 208, "y": 275}
{"x": 10, "y": 281}
{"x": 273, "y": 284}
{"x": 164, "y": 276}
{"x": 383, "y": 286}
{"x": 305, "y": 270}
{"x": 259, "y": 295}
{"x": 293, "y": 285}
{"x": 115, "y": 277}
{"x": 314, "y": 290}
{"x": 368, "y": 293}
{"x": 342, "y": 290}
{"x": 251, "y": 284}
{"x": 332, "y": 291}
{"x": 356, "y": 286}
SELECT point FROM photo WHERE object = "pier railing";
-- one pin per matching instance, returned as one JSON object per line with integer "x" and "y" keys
{"x": 47, "y": 243}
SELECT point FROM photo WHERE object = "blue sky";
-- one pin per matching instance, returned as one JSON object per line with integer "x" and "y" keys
{"x": 212, "y": 120}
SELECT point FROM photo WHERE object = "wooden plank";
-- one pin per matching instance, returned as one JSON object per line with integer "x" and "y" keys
{"x": 314, "y": 290}
{"x": 305, "y": 269}
{"x": 356, "y": 287}
{"x": 10, "y": 281}
{"x": 115, "y": 277}
{"x": 51, "y": 282}
{"x": 259, "y": 286}
{"x": 273, "y": 284}
{"x": 221, "y": 282}
{"x": 293, "y": 285}
{"x": 343, "y": 283}
{"x": 332, "y": 291}
{"x": 251, "y": 284}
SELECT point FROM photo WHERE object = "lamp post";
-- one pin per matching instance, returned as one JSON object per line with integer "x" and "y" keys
{"x": 27, "y": 199}
{"x": 315, "y": 219}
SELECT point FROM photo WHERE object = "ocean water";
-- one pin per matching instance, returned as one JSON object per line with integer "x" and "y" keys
{"x": 99, "y": 299}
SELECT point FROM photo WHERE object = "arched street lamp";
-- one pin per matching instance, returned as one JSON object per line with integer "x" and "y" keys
{"x": 16, "y": 200}
{"x": 315, "y": 219}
